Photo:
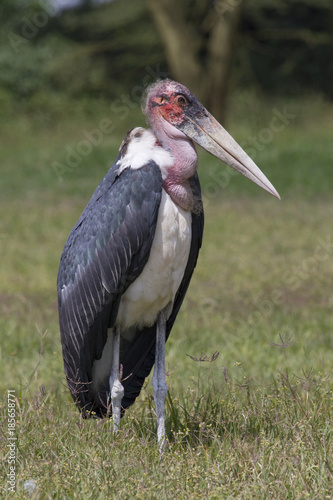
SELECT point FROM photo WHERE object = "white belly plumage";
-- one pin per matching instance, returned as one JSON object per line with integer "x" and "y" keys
{"x": 158, "y": 283}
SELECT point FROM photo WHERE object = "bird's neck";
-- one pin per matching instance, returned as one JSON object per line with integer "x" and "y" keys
{"x": 177, "y": 182}
{"x": 177, "y": 178}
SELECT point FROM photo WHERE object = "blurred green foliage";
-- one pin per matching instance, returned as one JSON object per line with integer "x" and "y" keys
{"x": 101, "y": 49}
{"x": 288, "y": 45}
{"x": 79, "y": 52}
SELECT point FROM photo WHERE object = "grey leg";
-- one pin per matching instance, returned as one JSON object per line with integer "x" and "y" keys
{"x": 116, "y": 388}
{"x": 159, "y": 384}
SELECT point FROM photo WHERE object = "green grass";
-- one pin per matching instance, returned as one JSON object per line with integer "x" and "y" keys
{"x": 254, "y": 423}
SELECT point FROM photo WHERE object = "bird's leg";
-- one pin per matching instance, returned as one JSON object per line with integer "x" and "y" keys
{"x": 159, "y": 384}
{"x": 116, "y": 388}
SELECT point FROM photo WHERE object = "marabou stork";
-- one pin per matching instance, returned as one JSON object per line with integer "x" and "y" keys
{"x": 128, "y": 261}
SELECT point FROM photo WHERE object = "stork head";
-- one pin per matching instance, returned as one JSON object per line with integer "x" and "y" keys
{"x": 172, "y": 109}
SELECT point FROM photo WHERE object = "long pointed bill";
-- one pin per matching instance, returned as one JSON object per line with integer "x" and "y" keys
{"x": 209, "y": 134}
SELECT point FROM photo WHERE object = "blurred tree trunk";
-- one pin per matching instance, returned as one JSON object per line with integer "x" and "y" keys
{"x": 204, "y": 65}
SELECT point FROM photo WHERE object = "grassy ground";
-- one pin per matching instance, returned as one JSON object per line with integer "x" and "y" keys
{"x": 254, "y": 423}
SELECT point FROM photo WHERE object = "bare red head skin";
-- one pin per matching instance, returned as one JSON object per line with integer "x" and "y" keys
{"x": 176, "y": 118}
{"x": 165, "y": 105}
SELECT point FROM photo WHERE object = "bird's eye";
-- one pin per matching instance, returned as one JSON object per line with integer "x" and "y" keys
{"x": 181, "y": 100}
{"x": 162, "y": 100}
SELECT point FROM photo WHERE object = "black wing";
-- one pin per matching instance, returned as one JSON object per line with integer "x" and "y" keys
{"x": 105, "y": 252}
